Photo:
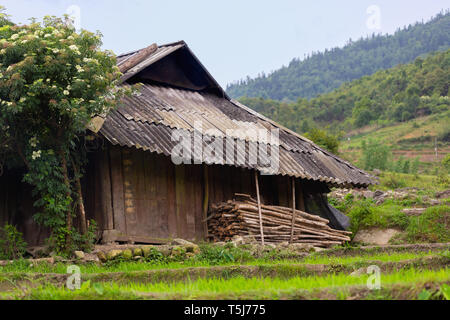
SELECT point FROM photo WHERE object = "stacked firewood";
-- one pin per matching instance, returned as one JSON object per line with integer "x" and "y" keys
{"x": 240, "y": 217}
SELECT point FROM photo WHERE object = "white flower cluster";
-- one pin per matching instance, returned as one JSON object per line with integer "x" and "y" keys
{"x": 33, "y": 142}
{"x": 75, "y": 49}
{"x": 36, "y": 155}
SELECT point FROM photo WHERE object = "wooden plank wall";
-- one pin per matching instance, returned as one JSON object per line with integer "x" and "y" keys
{"x": 147, "y": 197}
{"x": 16, "y": 208}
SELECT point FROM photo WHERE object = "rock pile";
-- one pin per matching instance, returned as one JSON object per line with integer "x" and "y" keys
{"x": 380, "y": 197}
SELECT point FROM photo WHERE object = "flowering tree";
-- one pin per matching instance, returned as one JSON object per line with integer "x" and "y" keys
{"x": 53, "y": 80}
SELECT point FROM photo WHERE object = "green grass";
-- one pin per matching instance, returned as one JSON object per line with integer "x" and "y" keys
{"x": 416, "y": 136}
{"x": 427, "y": 183}
{"x": 130, "y": 266}
{"x": 260, "y": 288}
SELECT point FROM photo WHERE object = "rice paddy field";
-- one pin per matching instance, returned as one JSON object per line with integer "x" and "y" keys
{"x": 397, "y": 272}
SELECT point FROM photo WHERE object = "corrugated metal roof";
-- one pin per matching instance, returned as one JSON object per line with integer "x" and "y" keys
{"x": 146, "y": 121}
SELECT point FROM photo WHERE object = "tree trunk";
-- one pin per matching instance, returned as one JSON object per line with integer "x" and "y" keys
{"x": 67, "y": 183}
{"x": 81, "y": 210}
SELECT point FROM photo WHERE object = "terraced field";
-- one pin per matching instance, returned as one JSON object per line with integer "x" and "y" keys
{"x": 405, "y": 272}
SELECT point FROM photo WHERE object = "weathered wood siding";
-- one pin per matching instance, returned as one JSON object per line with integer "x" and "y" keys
{"x": 16, "y": 208}
{"x": 144, "y": 197}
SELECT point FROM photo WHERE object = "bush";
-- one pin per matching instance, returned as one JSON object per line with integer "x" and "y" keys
{"x": 446, "y": 162}
{"x": 375, "y": 155}
{"x": 395, "y": 182}
{"x": 359, "y": 213}
{"x": 12, "y": 245}
{"x": 213, "y": 254}
{"x": 324, "y": 140}
{"x": 431, "y": 226}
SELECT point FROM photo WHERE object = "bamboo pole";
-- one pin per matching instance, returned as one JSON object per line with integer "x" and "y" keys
{"x": 259, "y": 207}
{"x": 293, "y": 210}
{"x": 205, "y": 198}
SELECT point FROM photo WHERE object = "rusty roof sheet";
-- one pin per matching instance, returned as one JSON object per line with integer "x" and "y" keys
{"x": 146, "y": 121}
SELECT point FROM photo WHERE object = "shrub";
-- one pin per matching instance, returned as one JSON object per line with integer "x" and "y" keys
{"x": 375, "y": 155}
{"x": 324, "y": 140}
{"x": 12, "y": 245}
{"x": 213, "y": 254}
{"x": 358, "y": 213}
{"x": 431, "y": 226}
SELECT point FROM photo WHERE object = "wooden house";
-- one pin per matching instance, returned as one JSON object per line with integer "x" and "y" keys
{"x": 133, "y": 188}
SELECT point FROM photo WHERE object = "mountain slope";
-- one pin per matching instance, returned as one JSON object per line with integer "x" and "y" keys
{"x": 393, "y": 95}
{"x": 323, "y": 72}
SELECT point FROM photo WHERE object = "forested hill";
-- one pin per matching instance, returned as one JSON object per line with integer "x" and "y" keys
{"x": 393, "y": 95}
{"x": 325, "y": 71}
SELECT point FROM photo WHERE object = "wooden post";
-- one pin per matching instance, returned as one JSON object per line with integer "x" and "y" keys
{"x": 205, "y": 198}
{"x": 259, "y": 207}
{"x": 293, "y": 210}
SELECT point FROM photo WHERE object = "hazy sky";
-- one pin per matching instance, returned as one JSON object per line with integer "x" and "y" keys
{"x": 234, "y": 38}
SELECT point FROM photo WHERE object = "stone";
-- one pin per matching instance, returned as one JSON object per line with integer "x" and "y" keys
{"x": 375, "y": 236}
{"x": 318, "y": 249}
{"x": 137, "y": 252}
{"x": 301, "y": 247}
{"x": 113, "y": 254}
{"x": 435, "y": 202}
{"x": 378, "y": 193}
{"x": 376, "y": 172}
{"x": 89, "y": 257}
{"x": 127, "y": 254}
{"x": 359, "y": 272}
{"x": 368, "y": 194}
{"x": 178, "y": 251}
{"x": 189, "y": 246}
{"x": 283, "y": 244}
{"x": 251, "y": 240}
{"x": 35, "y": 262}
{"x": 181, "y": 242}
{"x": 190, "y": 255}
{"x": 165, "y": 250}
{"x": 238, "y": 240}
{"x": 146, "y": 250}
{"x": 102, "y": 256}
{"x": 443, "y": 194}
{"x": 79, "y": 255}
{"x": 414, "y": 211}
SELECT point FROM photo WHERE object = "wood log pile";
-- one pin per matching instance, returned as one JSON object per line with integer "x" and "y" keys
{"x": 239, "y": 217}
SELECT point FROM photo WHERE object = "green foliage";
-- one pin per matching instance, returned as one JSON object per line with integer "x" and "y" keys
{"x": 324, "y": 140}
{"x": 12, "y": 245}
{"x": 358, "y": 213}
{"x": 322, "y": 72}
{"x": 398, "y": 94}
{"x": 375, "y": 155}
{"x": 425, "y": 295}
{"x": 431, "y": 226}
{"x": 394, "y": 181}
{"x": 86, "y": 242}
{"x": 217, "y": 254}
{"x": 446, "y": 162}
{"x": 445, "y": 290}
{"x": 53, "y": 80}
